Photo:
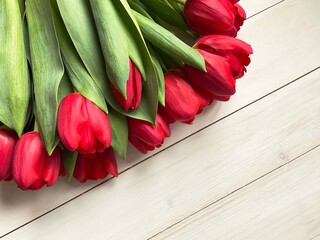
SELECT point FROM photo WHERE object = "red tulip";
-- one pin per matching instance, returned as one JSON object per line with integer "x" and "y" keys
{"x": 214, "y": 16}
{"x": 205, "y": 98}
{"x": 217, "y": 80}
{"x": 96, "y": 166}
{"x": 82, "y": 126}
{"x": 32, "y": 166}
{"x": 181, "y": 102}
{"x": 134, "y": 89}
{"x": 222, "y": 98}
{"x": 235, "y": 51}
{"x": 146, "y": 137}
{"x": 240, "y": 16}
{"x": 8, "y": 139}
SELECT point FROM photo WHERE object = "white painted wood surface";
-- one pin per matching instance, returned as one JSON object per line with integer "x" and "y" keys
{"x": 255, "y": 7}
{"x": 187, "y": 177}
{"x": 208, "y": 166}
{"x": 283, "y": 205}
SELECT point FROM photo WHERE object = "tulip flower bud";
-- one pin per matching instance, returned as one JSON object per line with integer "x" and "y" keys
{"x": 82, "y": 126}
{"x": 146, "y": 137}
{"x": 240, "y": 16}
{"x": 235, "y": 51}
{"x": 32, "y": 166}
{"x": 181, "y": 102}
{"x": 217, "y": 80}
{"x": 206, "y": 17}
{"x": 96, "y": 166}
{"x": 8, "y": 139}
{"x": 134, "y": 89}
{"x": 214, "y": 16}
{"x": 205, "y": 98}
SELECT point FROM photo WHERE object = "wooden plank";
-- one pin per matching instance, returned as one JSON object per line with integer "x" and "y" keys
{"x": 282, "y": 205}
{"x": 18, "y": 207}
{"x": 191, "y": 175}
{"x": 254, "y": 7}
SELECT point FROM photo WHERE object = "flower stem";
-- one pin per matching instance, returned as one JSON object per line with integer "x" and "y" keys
{"x": 36, "y": 126}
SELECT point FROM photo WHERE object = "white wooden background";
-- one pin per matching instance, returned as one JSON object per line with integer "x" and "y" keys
{"x": 246, "y": 169}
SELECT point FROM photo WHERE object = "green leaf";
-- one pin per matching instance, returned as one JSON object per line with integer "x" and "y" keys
{"x": 87, "y": 84}
{"x": 65, "y": 87}
{"x": 113, "y": 41}
{"x": 136, "y": 46}
{"x": 138, "y": 6}
{"x": 186, "y": 36}
{"x": 176, "y": 6}
{"x": 160, "y": 59}
{"x": 86, "y": 68}
{"x": 119, "y": 128}
{"x": 79, "y": 76}
{"x": 14, "y": 79}
{"x": 69, "y": 160}
{"x": 47, "y": 67}
{"x": 160, "y": 77}
{"x": 81, "y": 28}
{"x": 165, "y": 12}
{"x": 140, "y": 55}
{"x": 22, "y": 7}
{"x": 26, "y": 38}
{"x": 168, "y": 61}
{"x": 169, "y": 43}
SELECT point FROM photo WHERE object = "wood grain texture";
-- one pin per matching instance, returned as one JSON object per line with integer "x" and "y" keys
{"x": 286, "y": 47}
{"x": 190, "y": 176}
{"x": 282, "y": 205}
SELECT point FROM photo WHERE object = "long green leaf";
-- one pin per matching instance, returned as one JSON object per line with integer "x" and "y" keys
{"x": 176, "y": 6}
{"x": 119, "y": 129}
{"x": 69, "y": 160}
{"x": 79, "y": 22}
{"x": 14, "y": 79}
{"x": 160, "y": 77}
{"x": 79, "y": 76}
{"x": 47, "y": 67}
{"x": 22, "y": 7}
{"x": 169, "y": 43}
{"x": 186, "y": 36}
{"x": 139, "y": 53}
{"x": 65, "y": 87}
{"x": 166, "y": 60}
{"x": 113, "y": 41}
{"x": 139, "y": 7}
{"x": 85, "y": 39}
{"x": 165, "y": 12}
{"x": 93, "y": 66}
{"x": 26, "y": 38}
{"x": 135, "y": 40}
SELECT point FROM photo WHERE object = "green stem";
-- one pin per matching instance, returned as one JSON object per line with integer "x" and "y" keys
{"x": 36, "y": 126}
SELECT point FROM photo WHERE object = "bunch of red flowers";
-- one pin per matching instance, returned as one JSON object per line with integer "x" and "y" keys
{"x": 89, "y": 135}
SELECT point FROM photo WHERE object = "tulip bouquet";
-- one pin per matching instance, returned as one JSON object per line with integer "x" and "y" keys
{"x": 82, "y": 78}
